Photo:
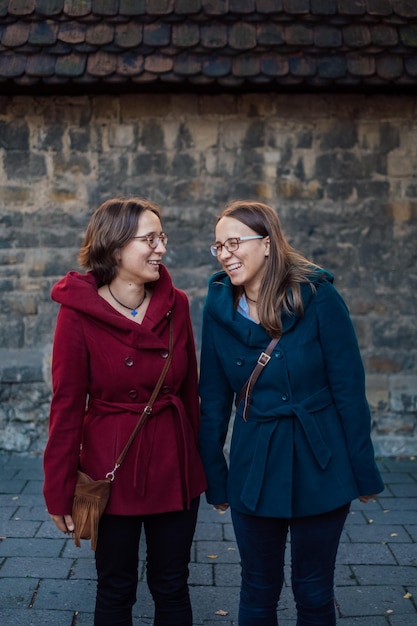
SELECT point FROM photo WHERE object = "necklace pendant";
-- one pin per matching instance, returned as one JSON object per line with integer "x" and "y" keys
{"x": 133, "y": 312}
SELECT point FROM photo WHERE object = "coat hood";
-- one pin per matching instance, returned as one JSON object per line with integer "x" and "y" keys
{"x": 219, "y": 305}
{"x": 80, "y": 293}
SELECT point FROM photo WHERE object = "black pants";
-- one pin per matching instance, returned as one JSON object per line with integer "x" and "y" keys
{"x": 168, "y": 544}
{"x": 314, "y": 543}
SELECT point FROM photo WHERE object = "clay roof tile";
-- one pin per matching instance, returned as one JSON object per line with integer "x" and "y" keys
{"x": 77, "y": 8}
{"x": 99, "y": 34}
{"x": 21, "y": 7}
{"x": 128, "y": 35}
{"x": 71, "y": 32}
{"x": 160, "y": 7}
{"x": 130, "y": 64}
{"x": 132, "y": 7}
{"x": 101, "y": 63}
{"x": 242, "y": 36}
{"x": 41, "y": 65}
{"x": 11, "y": 65}
{"x": 49, "y": 7}
{"x": 16, "y": 34}
{"x": 314, "y": 44}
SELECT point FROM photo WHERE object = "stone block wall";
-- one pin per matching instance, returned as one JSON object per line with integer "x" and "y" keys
{"x": 340, "y": 169}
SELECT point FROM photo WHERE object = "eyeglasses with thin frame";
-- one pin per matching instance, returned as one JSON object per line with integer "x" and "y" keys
{"x": 153, "y": 239}
{"x": 231, "y": 244}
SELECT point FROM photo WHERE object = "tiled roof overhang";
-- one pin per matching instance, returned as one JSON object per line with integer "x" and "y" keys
{"x": 136, "y": 45}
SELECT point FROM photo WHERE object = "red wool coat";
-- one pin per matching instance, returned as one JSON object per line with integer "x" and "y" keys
{"x": 104, "y": 369}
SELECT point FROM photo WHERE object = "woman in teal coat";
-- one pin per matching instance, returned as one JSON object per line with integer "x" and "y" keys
{"x": 301, "y": 449}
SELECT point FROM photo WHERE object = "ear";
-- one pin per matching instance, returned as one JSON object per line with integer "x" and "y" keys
{"x": 117, "y": 256}
{"x": 267, "y": 242}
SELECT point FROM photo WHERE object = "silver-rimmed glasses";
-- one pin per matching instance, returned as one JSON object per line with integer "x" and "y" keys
{"x": 153, "y": 239}
{"x": 231, "y": 244}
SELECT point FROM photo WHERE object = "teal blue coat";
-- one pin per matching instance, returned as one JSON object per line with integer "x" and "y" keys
{"x": 306, "y": 447}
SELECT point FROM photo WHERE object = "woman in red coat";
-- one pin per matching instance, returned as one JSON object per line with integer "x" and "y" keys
{"x": 111, "y": 342}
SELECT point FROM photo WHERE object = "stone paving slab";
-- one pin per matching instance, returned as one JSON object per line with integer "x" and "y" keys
{"x": 21, "y": 617}
{"x": 412, "y": 530}
{"x": 37, "y": 568}
{"x": 46, "y": 581}
{"x": 374, "y": 600}
{"x": 378, "y": 534}
{"x": 66, "y": 595}
{"x": 384, "y": 575}
{"x": 405, "y": 554}
{"x": 369, "y": 554}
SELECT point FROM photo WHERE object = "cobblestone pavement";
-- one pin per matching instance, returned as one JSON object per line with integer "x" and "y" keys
{"x": 46, "y": 581}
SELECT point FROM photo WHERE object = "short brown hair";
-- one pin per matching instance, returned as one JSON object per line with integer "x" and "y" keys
{"x": 111, "y": 227}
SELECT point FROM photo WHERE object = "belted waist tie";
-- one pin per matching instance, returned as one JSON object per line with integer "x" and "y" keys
{"x": 268, "y": 423}
{"x": 99, "y": 406}
{"x": 143, "y": 449}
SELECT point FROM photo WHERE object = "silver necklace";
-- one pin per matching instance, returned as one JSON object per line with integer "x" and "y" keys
{"x": 133, "y": 311}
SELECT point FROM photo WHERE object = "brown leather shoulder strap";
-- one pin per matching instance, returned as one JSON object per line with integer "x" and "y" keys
{"x": 246, "y": 391}
{"x": 148, "y": 408}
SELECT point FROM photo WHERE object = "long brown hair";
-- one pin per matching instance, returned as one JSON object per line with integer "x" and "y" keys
{"x": 286, "y": 268}
{"x": 111, "y": 227}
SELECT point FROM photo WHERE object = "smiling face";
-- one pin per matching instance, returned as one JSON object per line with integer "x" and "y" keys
{"x": 139, "y": 263}
{"x": 247, "y": 264}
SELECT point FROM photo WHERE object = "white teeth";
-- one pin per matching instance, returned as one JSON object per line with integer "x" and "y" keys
{"x": 234, "y": 267}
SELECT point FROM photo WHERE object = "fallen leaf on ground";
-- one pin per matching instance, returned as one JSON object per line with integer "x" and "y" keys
{"x": 221, "y": 612}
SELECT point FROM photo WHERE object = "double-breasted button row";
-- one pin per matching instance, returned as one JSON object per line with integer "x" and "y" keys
{"x": 164, "y": 354}
{"x": 134, "y": 394}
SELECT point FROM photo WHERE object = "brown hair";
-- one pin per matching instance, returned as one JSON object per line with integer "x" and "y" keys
{"x": 286, "y": 268}
{"x": 111, "y": 227}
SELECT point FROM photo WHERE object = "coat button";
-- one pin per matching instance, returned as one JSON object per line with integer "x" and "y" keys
{"x": 240, "y": 361}
{"x": 129, "y": 361}
{"x": 132, "y": 394}
{"x": 164, "y": 354}
{"x": 278, "y": 354}
{"x": 284, "y": 397}
{"x": 166, "y": 389}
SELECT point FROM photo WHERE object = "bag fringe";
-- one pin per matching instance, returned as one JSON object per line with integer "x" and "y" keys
{"x": 90, "y": 501}
{"x": 87, "y": 515}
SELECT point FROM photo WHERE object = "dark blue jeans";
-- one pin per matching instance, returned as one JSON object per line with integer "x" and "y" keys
{"x": 168, "y": 544}
{"x": 314, "y": 543}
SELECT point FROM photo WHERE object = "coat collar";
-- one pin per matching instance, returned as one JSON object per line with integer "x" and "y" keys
{"x": 219, "y": 305}
{"x": 80, "y": 293}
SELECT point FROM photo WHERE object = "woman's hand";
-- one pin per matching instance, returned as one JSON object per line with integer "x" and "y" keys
{"x": 365, "y": 499}
{"x": 64, "y": 523}
{"x": 221, "y": 507}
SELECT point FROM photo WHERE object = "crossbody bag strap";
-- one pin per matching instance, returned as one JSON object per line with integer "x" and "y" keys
{"x": 148, "y": 408}
{"x": 246, "y": 391}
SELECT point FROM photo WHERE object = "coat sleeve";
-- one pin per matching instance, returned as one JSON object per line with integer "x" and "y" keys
{"x": 189, "y": 388}
{"x": 346, "y": 377}
{"x": 216, "y": 405}
{"x": 69, "y": 394}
